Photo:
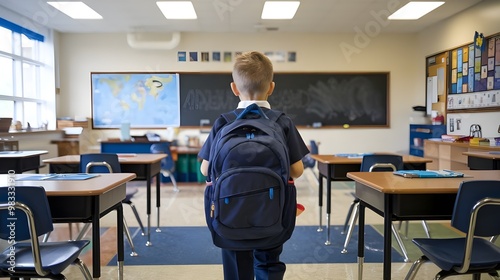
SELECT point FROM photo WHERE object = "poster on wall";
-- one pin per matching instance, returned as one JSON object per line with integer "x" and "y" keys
{"x": 143, "y": 100}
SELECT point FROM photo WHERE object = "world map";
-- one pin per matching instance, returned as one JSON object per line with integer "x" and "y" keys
{"x": 143, "y": 100}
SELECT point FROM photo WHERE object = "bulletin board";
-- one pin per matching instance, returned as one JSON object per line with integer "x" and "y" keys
{"x": 310, "y": 99}
{"x": 475, "y": 75}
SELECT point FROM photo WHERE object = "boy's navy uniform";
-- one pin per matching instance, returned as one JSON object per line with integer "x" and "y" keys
{"x": 241, "y": 264}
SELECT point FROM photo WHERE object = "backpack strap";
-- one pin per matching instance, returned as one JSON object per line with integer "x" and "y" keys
{"x": 230, "y": 116}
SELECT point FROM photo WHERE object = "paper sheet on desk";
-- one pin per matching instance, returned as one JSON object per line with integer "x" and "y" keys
{"x": 353, "y": 155}
{"x": 428, "y": 173}
{"x": 50, "y": 177}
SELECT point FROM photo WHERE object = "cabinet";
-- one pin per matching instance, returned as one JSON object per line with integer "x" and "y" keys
{"x": 420, "y": 132}
{"x": 450, "y": 155}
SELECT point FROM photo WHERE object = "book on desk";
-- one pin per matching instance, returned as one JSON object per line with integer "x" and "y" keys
{"x": 428, "y": 173}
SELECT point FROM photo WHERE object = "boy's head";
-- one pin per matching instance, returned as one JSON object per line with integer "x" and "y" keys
{"x": 252, "y": 76}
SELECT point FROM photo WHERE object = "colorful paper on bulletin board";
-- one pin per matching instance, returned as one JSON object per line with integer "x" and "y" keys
{"x": 471, "y": 55}
{"x": 496, "y": 84}
{"x": 459, "y": 60}
{"x": 480, "y": 84}
{"x": 465, "y": 54}
{"x": 454, "y": 59}
{"x": 459, "y": 83}
{"x": 471, "y": 79}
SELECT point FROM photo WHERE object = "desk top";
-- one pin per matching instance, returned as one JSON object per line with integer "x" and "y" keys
{"x": 333, "y": 159}
{"x": 386, "y": 182}
{"x": 90, "y": 187}
{"x": 487, "y": 155}
{"x": 123, "y": 158}
{"x": 21, "y": 154}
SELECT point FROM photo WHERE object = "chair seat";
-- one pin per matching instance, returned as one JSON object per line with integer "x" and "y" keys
{"x": 449, "y": 253}
{"x": 56, "y": 256}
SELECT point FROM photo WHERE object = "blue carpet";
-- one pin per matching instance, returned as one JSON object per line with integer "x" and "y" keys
{"x": 193, "y": 245}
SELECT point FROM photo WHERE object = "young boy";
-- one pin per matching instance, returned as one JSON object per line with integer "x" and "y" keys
{"x": 253, "y": 83}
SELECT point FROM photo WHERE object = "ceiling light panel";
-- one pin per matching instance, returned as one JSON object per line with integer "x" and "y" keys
{"x": 279, "y": 9}
{"x": 76, "y": 10}
{"x": 414, "y": 10}
{"x": 177, "y": 9}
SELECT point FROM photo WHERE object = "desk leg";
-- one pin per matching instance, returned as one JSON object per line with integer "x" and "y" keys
{"x": 387, "y": 236}
{"x": 148, "y": 206}
{"x": 119, "y": 239}
{"x": 96, "y": 239}
{"x": 320, "y": 202}
{"x": 361, "y": 239}
{"x": 328, "y": 204}
{"x": 158, "y": 202}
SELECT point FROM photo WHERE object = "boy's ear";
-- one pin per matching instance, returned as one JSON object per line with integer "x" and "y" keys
{"x": 271, "y": 89}
{"x": 235, "y": 89}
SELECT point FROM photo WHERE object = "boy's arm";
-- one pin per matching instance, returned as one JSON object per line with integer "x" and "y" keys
{"x": 204, "y": 167}
{"x": 296, "y": 169}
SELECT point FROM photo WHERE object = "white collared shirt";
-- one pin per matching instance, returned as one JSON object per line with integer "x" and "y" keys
{"x": 261, "y": 103}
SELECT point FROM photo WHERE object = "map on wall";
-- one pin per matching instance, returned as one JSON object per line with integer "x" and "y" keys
{"x": 145, "y": 100}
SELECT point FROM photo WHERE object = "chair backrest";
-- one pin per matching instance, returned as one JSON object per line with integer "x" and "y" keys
{"x": 99, "y": 162}
{"x": 314, "y": 147}
{"x": 307, "y": 160}
{"x": 164, "y": 148}
{"x": 469, "y": 194}
{"x": 381, "y": 162}
{"x": 36, "y": 200}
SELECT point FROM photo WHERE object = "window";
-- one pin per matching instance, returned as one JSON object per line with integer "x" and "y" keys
{"x": 23, "y": 71}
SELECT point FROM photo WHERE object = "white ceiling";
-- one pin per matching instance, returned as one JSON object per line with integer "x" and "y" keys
{"x": 236, "y": 16}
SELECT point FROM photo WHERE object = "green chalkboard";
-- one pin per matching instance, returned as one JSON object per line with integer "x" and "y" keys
{"x": 310, "y": 99}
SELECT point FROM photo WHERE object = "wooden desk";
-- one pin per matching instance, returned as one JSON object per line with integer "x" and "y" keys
{"x": 20, "y": 161}
{"x": 398, "y": 198}
{"x": 85, "y": 201}
{"x": 145, "y": 166}
{"x": 483, "y": 160}
{"x": 335, "y": 168}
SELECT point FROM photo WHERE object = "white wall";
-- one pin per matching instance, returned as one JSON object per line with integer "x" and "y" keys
{"x": 81, "y": 54}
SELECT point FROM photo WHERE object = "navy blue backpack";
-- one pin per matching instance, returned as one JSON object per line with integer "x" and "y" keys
{"x": 251, "y": 202}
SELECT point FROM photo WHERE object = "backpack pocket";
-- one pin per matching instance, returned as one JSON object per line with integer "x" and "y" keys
{"x": 248, "y": 204}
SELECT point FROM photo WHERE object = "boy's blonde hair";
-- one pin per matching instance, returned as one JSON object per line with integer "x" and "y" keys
{"x": 252, "y": 73}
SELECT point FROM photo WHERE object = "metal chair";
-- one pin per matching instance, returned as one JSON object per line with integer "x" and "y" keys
{"x": 476, "y": 214}
{"x": 25, "y": 215}
{"x": 372, "y": 163}
{"x": 109, "y": 163}
{"x": 168, "y": 163}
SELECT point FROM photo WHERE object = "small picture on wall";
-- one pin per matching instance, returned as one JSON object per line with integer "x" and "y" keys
{"x": 181, "y": 56}
{"x": 193, "y": 56}
{"x": 205, "y": 57}
{"x": 292, "y": 56}
{"x": 215, "y": 56}
{"x": 228, "y": 57}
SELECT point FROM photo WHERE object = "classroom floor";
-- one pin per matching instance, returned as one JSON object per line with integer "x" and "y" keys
{"x": 184, "y": 208}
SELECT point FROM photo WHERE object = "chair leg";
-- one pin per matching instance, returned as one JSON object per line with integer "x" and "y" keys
{"x": 349, "y": 214}
{"x": 400, "y": 242}
{"x": 136, "y": 214}
{"x": 352, "y": 222}
{"x": 83, "y": 268}
{"x": 415, "y": 267}
{"x": 172, "y": 178}
{"x": 426, "y": 228}
{"x": 129, "y": 238}
{"x": 83, "y": 232}
{"x": 46, "y": 237}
